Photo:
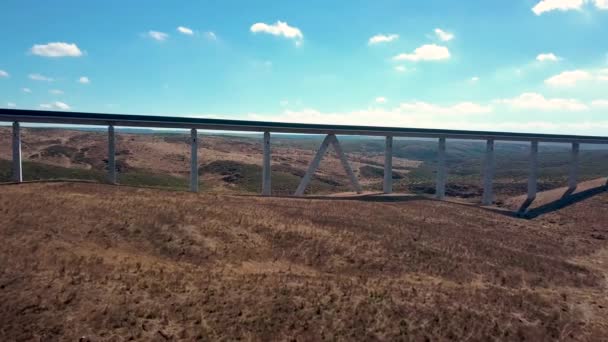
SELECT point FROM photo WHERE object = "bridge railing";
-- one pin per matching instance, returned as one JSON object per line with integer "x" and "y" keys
{"x": 111, "y": 121}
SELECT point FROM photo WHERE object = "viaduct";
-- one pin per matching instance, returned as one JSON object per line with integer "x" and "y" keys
{"x": 331, "y": 132}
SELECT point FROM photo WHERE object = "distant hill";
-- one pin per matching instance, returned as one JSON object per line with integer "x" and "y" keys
{"x": 232, "y": 162}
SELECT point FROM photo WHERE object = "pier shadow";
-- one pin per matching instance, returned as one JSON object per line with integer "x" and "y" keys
{"x": 567, "y": 199}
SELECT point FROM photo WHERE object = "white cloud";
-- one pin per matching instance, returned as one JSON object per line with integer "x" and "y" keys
{"x": 401, "y": 68}
{"x": 383, "y": 38}
{"x": 566, "y": 5}
{"x": 211, "y": 35}
{"x": 561, "y": 5}
{"x": 547, "y": 57}
{"x": 55, "y": 105}
{"x": 279, "y": 29}
{"x": 156, "y": 35}
{"x": 600, "y": 103}
{"x": 11, "y": 105}
{"x": 462, "y": 108}
{"x": 3, "y": 74}
{"x": 284, "y": 103}
{"x": 475, "y": 79}
{"x": 569, "y": 78}
{"x": 39, "y": 77}
{"x": 56, "y": 49}
{"x": 84, "y": 80}
{"x": 184, "y": 30}
{"x": 381, "y": 99}
{"x": 601, "y": 4}
{"x": 539, "y": 102}
{"x": 443, "y": 35}
{"x": 56, "y": 91}
{"x": 429, "y": 52}
{"x": 26, "y": 90}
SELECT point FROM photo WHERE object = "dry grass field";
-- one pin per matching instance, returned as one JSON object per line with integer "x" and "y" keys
{"x": 92, "y": 262}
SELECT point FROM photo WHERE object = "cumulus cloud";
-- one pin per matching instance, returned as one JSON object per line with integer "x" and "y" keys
{"x": 429, "y": 52}
{"x": 400, "y": 68}
{"x": 382, "y": 38}
{"x": 55, "y": 105}
{"x": 566, "y": 5}
{"x": 475, "y": 79}
{"x": 56, "y": 49}
{"x": 600, "y": 103}
{"x": 26, "y": 90}
{"x": 547, "y": 57}
{"x": 39, "y": 77}
{"x": 159, "y": 36}
{"x": 185, "y": 30}
{"x": 381, "y": 99}
{"x": 569, "y": 78}
{"x": 459, "y": 109}
{"x": 3, "y": 74}
{"x": 56, "y": 91}
{"x": 409, "y": 114}
{"x": 443, "y": 35}
{"x": 537, "y": 101}
{"x": 84, "y": 80}
{"x": 279, "y": 28}
{"x": 11, "y": 105}
{"x": 211, "y": 35}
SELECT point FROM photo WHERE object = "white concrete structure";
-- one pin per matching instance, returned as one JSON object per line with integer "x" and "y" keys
{"x": 193, "y": 160}
{"x": 17, "y": 166}
{"x": 111, "y": 155}
{"x": 266, "y": 167}
{"x": 573, "y": 176}
{"x": 441, "y": 170}
{"x": 533, "y": 175}
{"x": 488, "y": 174}
{"x": 387, "y": 185}
{"x": 314, "y": 165}
{"x": 111, "y": 120}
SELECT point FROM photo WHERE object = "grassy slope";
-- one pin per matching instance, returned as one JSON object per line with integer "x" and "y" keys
{"x": 99, "y": 262}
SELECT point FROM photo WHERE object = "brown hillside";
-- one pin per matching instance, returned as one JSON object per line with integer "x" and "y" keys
{"x": 96, "y": 262}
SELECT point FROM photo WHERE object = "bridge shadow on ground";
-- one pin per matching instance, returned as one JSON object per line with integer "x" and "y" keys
{"x": 525, "y": 211}
{"x": 569, "y": 198}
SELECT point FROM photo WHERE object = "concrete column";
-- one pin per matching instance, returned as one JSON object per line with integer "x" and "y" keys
{"x": 533, "y": 176}
{"x": 488, "y": 174}
{"x": 193, "y": 160}
{"x": 314, "y": 164}
{"x": 111, "y": 155}
{"x": 441, "y": 171}
{"x": 266, "y": 168}
{"x": 388, "y": 166}
{"x": 17, "y": 166}
{"x": 349, "y": 171}
{"x": 573, "y": 177}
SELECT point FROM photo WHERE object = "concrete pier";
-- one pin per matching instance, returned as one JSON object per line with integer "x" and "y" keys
{"x": 193, "y": 160}
{"x": 574, "y": 160}
{"x": 111, "y": 155}
{"x": 441, "y": 170}
{"x": 388, "y": 166}
{"x": 17, "y": 169}
{"x": 533, "y": 175}
{"x": 266, "y": 167}
{"x": 488, "y": 174}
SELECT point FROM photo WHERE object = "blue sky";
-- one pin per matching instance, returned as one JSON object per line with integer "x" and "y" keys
{"x": 519, "y": 65}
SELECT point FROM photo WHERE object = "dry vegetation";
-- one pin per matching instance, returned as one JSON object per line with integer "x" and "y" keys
{"x": 96, "y": 262}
